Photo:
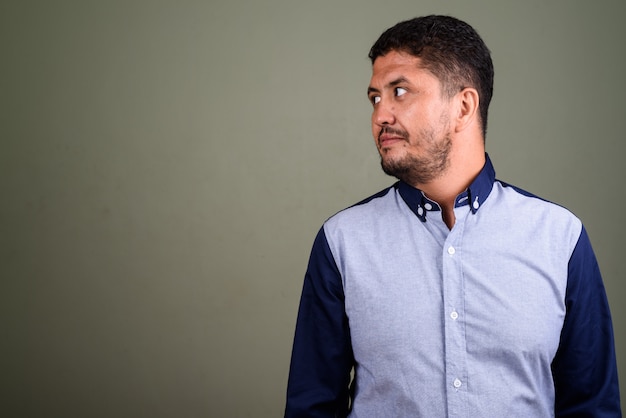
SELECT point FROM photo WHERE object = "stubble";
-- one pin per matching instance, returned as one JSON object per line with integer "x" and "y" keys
{"x": 421, "y": 169}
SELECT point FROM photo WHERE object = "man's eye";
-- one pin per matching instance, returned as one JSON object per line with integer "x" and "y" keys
{"x": 400, "y": 91}
{"x": 375, "y": 99}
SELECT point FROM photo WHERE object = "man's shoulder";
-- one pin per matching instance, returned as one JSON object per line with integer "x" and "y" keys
{"x": 374, "y": 198}
{"x": 529, "y": 198}
{"x": 365, "y": 207}
{"x": 531, "y": 209}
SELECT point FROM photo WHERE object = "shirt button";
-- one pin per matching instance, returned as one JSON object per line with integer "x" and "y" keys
{"x": 457, "y": 383}
{"x": 451, "y": 250}
{"x": 454, "y": 315}
{"x": 428, "y": 206}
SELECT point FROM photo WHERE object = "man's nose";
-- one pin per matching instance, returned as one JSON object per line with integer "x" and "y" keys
{"x": 383, "y": 114}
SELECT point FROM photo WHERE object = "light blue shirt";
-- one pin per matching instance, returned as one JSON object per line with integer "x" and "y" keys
{"x": 464, "y": 322}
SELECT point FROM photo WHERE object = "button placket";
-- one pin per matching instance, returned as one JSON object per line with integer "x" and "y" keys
{"x": 453, "y": 285}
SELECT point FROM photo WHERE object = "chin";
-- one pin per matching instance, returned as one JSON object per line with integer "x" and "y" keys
{"x": 393, "y": 157}
{"x": 396, "y": 167}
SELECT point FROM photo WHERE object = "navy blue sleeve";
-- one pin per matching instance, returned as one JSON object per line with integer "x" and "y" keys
{"x": 321, "y": 360}
{"x": 584, "y": 368}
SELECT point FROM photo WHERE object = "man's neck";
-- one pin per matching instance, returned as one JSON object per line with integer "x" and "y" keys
{"x": 445, "y": 189}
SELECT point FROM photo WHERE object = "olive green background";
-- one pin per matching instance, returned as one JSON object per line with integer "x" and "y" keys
{"x": 165, "y": 166}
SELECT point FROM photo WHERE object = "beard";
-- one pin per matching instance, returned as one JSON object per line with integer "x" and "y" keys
{"x": 420, "y": 169}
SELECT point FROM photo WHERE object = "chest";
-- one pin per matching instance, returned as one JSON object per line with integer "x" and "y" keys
{"x": 432, "y": 293}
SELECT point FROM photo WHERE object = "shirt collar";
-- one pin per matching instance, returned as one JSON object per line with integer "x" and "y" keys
{"x": 474, "y": 196}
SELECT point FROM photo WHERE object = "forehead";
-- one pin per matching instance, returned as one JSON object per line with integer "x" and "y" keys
{"x": 396, "y": 65}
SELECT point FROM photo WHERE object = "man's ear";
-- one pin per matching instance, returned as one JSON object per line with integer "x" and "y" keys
{"x": 467, "y": 109}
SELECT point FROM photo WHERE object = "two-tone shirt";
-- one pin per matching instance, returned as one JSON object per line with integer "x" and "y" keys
{"x": 504, "y": 315}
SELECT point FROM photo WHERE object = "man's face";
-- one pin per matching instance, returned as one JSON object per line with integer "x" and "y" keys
{"x": 410, "y": 120}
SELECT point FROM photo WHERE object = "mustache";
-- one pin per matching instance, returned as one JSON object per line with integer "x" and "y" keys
{"x": 393, "y": 131}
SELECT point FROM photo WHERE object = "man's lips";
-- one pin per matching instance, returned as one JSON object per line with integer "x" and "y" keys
{"x": 387, "y": 139}
{"x": 389, "y": 136}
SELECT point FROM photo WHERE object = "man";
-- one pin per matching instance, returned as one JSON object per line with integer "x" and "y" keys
{"x": 450, "y": 293}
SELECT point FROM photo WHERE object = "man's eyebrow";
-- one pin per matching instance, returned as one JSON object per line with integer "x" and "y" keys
{"x": 371, "y": 90}
{"x": 393, "y": 83}
{"x": 399, "y": 80}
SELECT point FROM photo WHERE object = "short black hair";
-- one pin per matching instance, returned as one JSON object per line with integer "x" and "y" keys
{"x": 450, "y": 49}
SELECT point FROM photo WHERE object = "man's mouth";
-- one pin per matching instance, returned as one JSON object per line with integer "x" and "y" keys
{"x": 388, "y": 136}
